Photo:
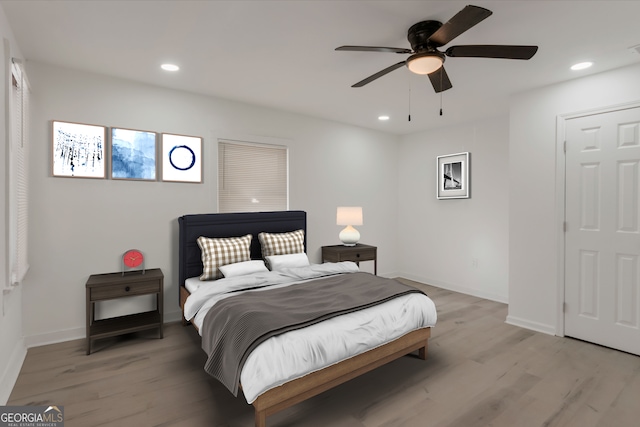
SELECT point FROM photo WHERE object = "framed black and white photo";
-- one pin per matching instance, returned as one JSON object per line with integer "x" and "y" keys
{"x": 181, "y": 158}
{"x": 133, "y": 154}
{"x": 453, "y": 176}
{"x": 78, "y": 150}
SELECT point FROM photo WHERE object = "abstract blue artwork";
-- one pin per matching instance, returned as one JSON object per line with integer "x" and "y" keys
{"x": 78, "y": 150}
{"x": 133, "y": 154}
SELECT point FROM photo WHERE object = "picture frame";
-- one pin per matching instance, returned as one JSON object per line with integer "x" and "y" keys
{"x": 134, "y": 154}
{"x": 453, "y": 176}
{"x": 78, "y": 150}
{"x": 181, "y": 158}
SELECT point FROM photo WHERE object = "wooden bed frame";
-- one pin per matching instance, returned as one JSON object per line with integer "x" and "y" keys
{"x": 298, "y": 390}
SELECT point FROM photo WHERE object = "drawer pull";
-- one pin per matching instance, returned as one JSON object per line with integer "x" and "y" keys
{"x": 127, "y": 289}
{"x": 357, "y": 255}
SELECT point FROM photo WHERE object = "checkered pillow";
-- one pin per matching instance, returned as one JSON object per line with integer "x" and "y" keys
{"x": 222, "y": 251}
{"x": 281, "y": 243}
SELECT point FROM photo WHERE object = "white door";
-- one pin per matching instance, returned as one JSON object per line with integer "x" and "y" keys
{"x": 602, "y": 239}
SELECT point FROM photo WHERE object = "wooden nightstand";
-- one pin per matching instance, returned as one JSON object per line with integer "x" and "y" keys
{"x": 357, "y": 253}
{"x": 101, "y": 287}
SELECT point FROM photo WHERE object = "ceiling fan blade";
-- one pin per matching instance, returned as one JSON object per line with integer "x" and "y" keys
{"x": 461, "y": 22}
{"x": 440, "y": 80}
{"x": 375, "y": 49}
{"x": 492, "y": 51}
{"x": 379, "y": 74}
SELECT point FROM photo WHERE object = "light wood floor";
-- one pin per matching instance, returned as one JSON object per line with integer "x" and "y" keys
{"x": 479, "y": 372}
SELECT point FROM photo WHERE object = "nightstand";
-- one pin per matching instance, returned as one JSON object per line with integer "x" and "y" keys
{"x": 101, "y": 287}
{"x": 357, "y": 253}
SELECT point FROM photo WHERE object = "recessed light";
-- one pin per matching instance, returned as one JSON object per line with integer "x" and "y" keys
{"x": 581, "y": 66}
{"x": 169, "y": 67}
{"x": 383, "y": 118}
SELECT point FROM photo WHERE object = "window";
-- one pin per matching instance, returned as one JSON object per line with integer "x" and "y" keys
{"x": 18, "y": 175}
{"x": 252, "y": 177}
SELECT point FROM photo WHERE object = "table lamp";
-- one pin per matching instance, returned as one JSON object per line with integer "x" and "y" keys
{"x": 349, "y": 216}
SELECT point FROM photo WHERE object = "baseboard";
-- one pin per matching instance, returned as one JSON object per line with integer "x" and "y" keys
{"x": 511, "y": 320}
{"x": 55, "y": 337}
{"x": 528, "y": 324}
{"x": 79, "y": 333}
{"x": 455, "y": 288}
{"x": 11, "y": 372}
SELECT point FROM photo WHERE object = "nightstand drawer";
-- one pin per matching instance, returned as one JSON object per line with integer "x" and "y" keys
{"x": 124, "y": 289}
{"x": 358, "y": 254}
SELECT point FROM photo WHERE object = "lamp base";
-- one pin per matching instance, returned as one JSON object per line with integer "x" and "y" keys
{"x": 349, "y": 236}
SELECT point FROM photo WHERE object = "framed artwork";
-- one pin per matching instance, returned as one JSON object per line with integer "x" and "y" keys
{"x": 453, "y": 176}
{"x": 133, "y": 154}
{"x": 78, "y": 150}
{"x": 181, "y": 158}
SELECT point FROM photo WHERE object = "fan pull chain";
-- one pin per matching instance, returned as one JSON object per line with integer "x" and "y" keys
{"x": 441, "y": 74}
{"x": 409, "y": 118}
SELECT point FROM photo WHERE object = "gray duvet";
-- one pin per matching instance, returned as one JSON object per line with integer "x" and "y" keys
{"x": 238, "y": 324}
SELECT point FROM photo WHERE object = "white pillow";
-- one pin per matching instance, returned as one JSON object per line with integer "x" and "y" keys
{"x": 243, "y": 268}
{"x": 278, "y": 262}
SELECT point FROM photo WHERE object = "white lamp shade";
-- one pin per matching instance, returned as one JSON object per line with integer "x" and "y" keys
{"x": 349, "y": 215}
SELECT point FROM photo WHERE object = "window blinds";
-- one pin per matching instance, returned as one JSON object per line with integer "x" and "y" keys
{"x": 252, "y": 177}
{"x": 18, "y": 178}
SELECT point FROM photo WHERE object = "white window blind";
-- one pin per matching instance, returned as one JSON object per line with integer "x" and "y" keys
{"x": 18, "y": 178}
{"x": 252, "y": 177}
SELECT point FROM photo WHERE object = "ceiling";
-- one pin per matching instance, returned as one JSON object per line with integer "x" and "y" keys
{"x": 280, "y": 54}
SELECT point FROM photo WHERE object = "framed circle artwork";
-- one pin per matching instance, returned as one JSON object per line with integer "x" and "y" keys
{"x": 181, "y": 158}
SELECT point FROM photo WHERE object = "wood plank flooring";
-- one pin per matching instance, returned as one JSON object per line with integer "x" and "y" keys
{"x": 479, "y": 372}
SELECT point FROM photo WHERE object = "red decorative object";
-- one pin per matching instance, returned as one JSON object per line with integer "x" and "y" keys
{"x": 131, "y": 259}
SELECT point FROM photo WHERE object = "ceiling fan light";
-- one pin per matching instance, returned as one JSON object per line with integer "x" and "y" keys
{"x": 424, "y": 63}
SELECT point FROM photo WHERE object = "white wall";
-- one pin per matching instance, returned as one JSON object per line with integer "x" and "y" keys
{"x": 535, "y": 232}
{"x": 458, "y": 244}
{"x": 12, "y": 349}
{"x": 79, "y": 227}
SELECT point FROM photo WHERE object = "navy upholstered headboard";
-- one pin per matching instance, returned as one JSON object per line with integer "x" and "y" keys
{"x": 230, "y": 225}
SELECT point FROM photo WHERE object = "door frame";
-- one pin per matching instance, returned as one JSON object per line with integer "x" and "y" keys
{"x": 561, "y": 159}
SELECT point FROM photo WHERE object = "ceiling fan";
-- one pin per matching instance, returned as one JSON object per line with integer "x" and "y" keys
{"x": 427, "y": 36}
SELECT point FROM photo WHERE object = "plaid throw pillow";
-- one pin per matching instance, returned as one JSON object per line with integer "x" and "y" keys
{"x": 218, "y": 252}
{"x": 281, "y": 243}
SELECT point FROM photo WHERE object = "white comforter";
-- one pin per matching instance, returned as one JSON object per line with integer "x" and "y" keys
{"x": 297, "y": 353}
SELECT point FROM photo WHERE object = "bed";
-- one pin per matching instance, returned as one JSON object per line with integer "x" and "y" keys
{"x": 319, "y": 380}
